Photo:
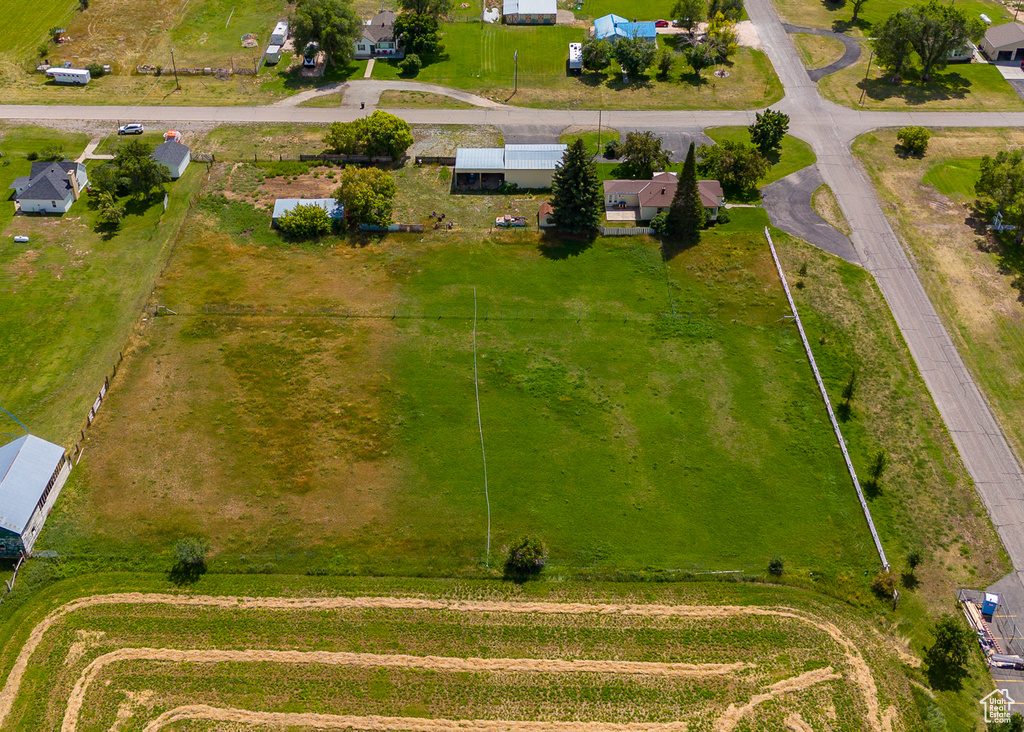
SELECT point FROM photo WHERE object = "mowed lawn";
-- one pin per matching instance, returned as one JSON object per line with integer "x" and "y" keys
{"x": 627, "y": 437}
{"x": 481, "y": 58}
{"x": 30, "y": 23}
{"x": 837, "y": 15}
{"x": 71, "y": 295}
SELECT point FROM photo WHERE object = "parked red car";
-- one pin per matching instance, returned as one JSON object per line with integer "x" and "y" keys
{"x": 661, "y": 24}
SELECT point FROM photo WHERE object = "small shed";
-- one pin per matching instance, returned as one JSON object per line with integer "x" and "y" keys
{"x": 575, "y": 57}
{"x": 989, "y": 605}
{"x": 283, "y": 206}
{"x": 545, "y": 216}
{"x": 174, "y": 156}
{"x": 32, "y": 474}
{"x": 1004, "y": 42}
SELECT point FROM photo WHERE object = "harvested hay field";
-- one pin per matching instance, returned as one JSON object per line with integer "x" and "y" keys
{"x": 153, "y": 661}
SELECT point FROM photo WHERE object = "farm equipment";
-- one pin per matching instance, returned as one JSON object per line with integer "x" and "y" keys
{"x": 509, "y": 222}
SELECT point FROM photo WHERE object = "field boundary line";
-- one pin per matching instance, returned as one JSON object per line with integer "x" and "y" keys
{"x": 828, "y": 404}
{"x": 859, "y": 673}
{"x": 480, "y": 426}
{"x": 372, "y": 660}
{"x": 396, "y": 724}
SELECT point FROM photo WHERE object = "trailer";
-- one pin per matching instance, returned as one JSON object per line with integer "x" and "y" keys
{"x": 576, "y": 57}
{"x": 280, "y": 34}
{"x": 509, "y": 222}
{"x": 70, "y": 76}
{"x": 273, "y": 54}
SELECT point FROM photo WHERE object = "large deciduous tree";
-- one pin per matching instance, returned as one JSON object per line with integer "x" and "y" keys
{"x": 733, "y": 164}
{"x": 643, "y": 155}
{"x": 305, "y": 222}
{"x": 381, "y": 133}
{"x": 689, "y": 13}
{"x": 768, "y": 130}
{"x": 686, "y": 215}
{"x": 721, "y": 36}
{"x": 434, "y": 8}
{"x": 947, "y": 657}
{"x": 332, "y": 24}
{"x": 940, "y": 29}
{"x": 893, "y": 42}
{"x": 597, "y": 54}
{"x": 1002, "y": 182}
{"x": 635, "y": 55}
{"x": 419, "y": 33}
{"x": 136, "y": 172}
{"x": 730, "y": 9}
{"x": 368, "y": 196}
{"x": 576, "y": 191}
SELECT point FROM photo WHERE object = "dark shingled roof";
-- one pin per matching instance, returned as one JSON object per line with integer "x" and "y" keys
{"x": 51, "y": 184}
{"x": 170, "y": 153}
{"x": 381, "y": 27}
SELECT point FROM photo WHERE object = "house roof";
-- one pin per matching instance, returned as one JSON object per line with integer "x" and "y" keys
{"x": 534, "y": 157}
{"x": 20, "y": 182}
{"x": 545, "y": 209}
{"x": 530, "y": 7}
{"x": 26, "y": 466}
{"x": 170, "y": 153}
{"x": 615, "y": 26}
{"x": 47, "y": 181}
{"x": 658, "y": 191}
{"x": 480, "y": 158}
{"x": 1008, "y": 34}
{"x": 381, "y": 27}
{"x": 330, "y": 205}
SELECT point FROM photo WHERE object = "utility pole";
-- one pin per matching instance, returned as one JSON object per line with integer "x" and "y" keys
{"x": 515, "y": 83}
{"x": 599, "y": 131}
{"x": 866, "y": 74}
{"x": 177, "y": 86}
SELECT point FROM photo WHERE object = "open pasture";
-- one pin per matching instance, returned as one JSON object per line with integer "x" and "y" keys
{"x": 475, "y": 657}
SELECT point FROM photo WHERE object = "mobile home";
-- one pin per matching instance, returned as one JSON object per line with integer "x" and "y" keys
{"x": 273, "y": 54}
{"x": 576, "y": 57}
{"x": 280, "y": 34}
{"x": 70, "y": 76}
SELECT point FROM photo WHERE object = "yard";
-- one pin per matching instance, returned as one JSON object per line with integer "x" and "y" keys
{"x": 837, "y": 15}
{"x": 966, "y": 87}
{"x": 974, "y": 283}
{"x": 74, "y": 294}
{"x": 480, "y": 58}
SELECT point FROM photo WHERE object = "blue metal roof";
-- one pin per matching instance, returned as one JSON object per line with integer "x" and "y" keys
{"x": 26, "y": 466}
{"x": 533, "y": 157}
{"x": 611, "y": 26}
{"x": 330, "y": 205}
{"x": 479, "y": 159}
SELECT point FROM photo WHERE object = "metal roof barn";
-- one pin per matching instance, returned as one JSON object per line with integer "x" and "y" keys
{"x": 479, "y": 159}
{"x": 26, "y": 466}
{"x": 533, "y": 157}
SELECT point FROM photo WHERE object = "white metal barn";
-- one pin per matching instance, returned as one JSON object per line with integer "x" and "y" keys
{"x": 174, "y": 156}
{"x": 32, "y": 474}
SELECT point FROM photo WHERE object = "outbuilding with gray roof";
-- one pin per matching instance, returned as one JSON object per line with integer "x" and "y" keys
{"x": 32, "y": 474}
{"x": 1004, "y": 42}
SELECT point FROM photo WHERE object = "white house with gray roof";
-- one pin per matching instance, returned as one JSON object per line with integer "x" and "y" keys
{"x": 527, "y": 166}
{"x": 32, "y": 474}
{"x": 377, "y": 38}
{"x": 174, "y": 156}
{"x": 50, "y": 187}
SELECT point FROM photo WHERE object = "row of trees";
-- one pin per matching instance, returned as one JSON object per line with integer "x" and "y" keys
{"x": 931, "y": 30}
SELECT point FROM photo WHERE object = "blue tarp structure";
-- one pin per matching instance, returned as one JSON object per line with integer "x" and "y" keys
{"x": 611, "y": 27}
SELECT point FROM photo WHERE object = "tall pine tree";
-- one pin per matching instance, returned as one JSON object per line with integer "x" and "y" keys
{"x": 576, "y": 192}
{"x": 686, "y": 215}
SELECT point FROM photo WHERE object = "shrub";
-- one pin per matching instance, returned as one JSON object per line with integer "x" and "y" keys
{"x": 611, "y": 149}
{"x": 884, "y": 584}
{"x": 914, "y": 559}
{"x": 305, "y": 222}
{"x": 914, "y": 140}
{"x": 723, "y": 217}
{"x": 191, "y": 551}
{"x": 42, "y": 49}
{"x": 96, "y": 70}
{"x": 776, "y": 566}
{"x": 664, "y": 64}
{"x": 525, "y": 558}
{"x": 33, "y": 155}
{"x": 410, "y": 65}
{"x": 659, "y": 224}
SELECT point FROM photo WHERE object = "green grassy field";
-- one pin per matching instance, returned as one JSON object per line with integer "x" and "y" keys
{"x": 74, "y": 295}
{"x": 955, "y": 177}
{"x": 793, "y": 155}
{"x": 479, "y": 58}
{"x": 825, "y": 650}
{"x": 958, "y": 87}
{"x": 837, "y": 15}
{"x": 33, "y": 21}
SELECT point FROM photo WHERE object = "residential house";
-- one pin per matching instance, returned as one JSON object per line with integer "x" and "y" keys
{"x": 642, "y": 200}
{"x": 32, "y": 474}
{"x": 50, "y": 187}
{"x": 1004, "y": 42}
{"x": 174, "y": 156}
{"x": 527, "y": 166}
{"x": 284, "y": 205}
{"x": 529, "y": 12}
{"x": 612, "y": 27}
{"x": 376, "y": 38}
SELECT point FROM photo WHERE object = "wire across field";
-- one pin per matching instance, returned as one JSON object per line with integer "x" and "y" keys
{"x": 751, "y": 689}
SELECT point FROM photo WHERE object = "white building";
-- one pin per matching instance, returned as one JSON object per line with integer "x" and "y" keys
{"x": 174, "y": 156}
{"x": 645, "y": 199}
{"x": 527, "y": 166}
{"x": 530, "y": 12}
{"x": 1004, "y": 42}
{"x": 50, "y": 187}
{"x": 32, "y": 474}
{"x": 70, "y": 76}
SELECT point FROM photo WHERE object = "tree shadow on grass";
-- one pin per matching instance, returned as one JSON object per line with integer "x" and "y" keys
{"x": 561, "y": 246}
{"x": 942, "y": 87}
{"x": 844, "y": 26}
{"x": 184, "y": 574}
{"x": 872, "y": 488}
{"x": 1008, "y": 253}
{"x": 294, "y": 81}
{"x": 909, "y": 581}
{"x": 672, "y": 248}
{"x": 945, "y": 677}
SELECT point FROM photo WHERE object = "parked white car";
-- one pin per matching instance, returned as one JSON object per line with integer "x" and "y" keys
{"x": 135, "y": 128}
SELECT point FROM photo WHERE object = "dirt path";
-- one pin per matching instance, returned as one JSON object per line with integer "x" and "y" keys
{"x": 859, "y": 673}
{"x": 733, "y": 714}
{"x": 432, "y": 663}
{"x": 406, "y": 724}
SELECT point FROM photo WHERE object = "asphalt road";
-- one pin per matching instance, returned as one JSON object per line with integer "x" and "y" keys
{"x": 829, "y": 129}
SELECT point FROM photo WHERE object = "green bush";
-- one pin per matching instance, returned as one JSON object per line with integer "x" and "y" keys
{"x": 776, "y": 567}
{"x": 96, "y": 70}
{"x": 276, "y": 168}
{"x": 525, "y": 558}
{"x": 658, "y": 224}
{"x": 191, "y": 551}
{"x": 410, "y": 65}
{"x": 611, "y": 149}
{"x": 884, "y": 584}
{"x": 305, "y": 222}
{"x": 914, "y": 140}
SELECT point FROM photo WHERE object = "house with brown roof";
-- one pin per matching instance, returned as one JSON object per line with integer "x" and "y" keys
{"x": 376, "y": 38}
{"x": 546, "y": 215}
{"x": 642, "y": 200}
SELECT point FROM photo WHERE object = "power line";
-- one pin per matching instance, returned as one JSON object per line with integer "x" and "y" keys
{"x": 480, "y": 426}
